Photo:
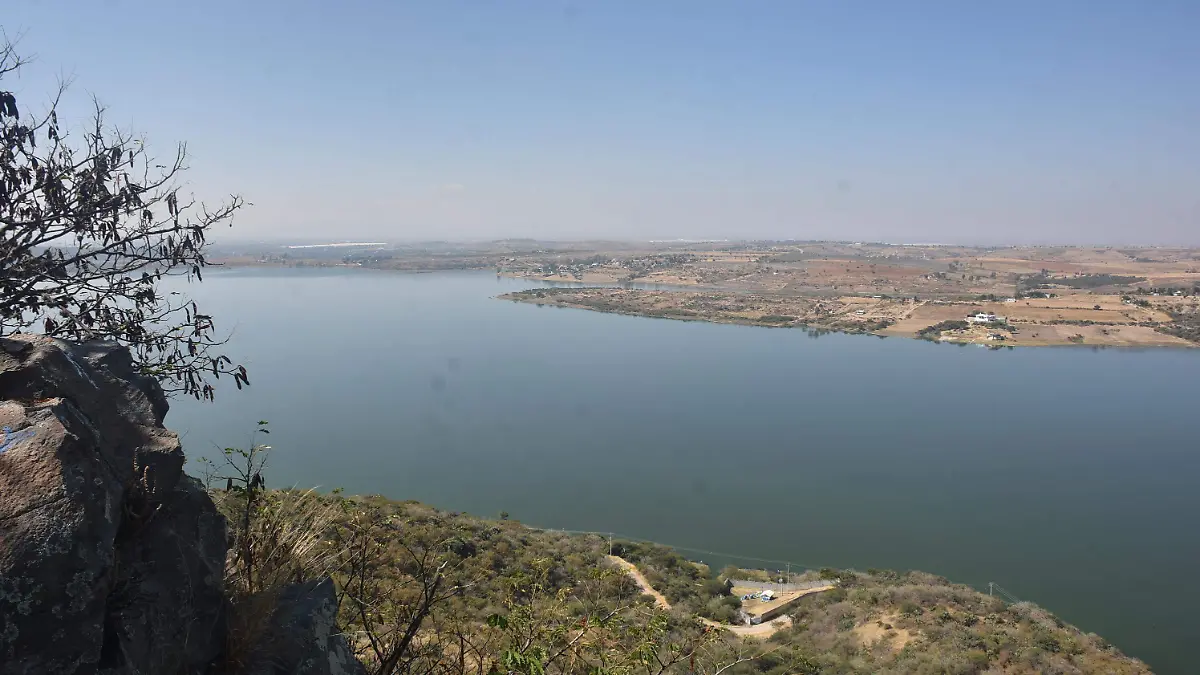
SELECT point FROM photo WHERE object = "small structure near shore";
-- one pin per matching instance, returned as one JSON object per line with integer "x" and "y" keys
{"x": 984, "y": 317}
{"x": 770, "y": 605}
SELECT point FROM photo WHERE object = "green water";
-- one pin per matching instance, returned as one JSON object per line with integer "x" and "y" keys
{"x": 1067, "y": 475}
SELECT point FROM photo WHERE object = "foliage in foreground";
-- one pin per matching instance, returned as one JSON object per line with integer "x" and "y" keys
{"x": 422, "y": 591}
{"x": 89, "y": 226}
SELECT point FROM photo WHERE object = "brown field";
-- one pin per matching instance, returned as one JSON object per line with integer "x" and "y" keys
{"x": 901, "y": 290}
{"x": 841, "y": 269}
{"x": 1054, "y": 321}
{"x": 586, "y": 278}
{"x": 1053, "y": 310}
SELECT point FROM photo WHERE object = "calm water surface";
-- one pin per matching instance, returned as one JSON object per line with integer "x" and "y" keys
{"x": 1067, "y": 475}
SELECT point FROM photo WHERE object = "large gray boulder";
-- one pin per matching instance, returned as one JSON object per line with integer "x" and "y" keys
{"x": 111, "y": 559}
{"x": 304, "y": 635}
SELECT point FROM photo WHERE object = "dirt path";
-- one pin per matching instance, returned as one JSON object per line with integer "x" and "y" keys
{"x": 761, "y": 630}
{"x": 633, "y": 571}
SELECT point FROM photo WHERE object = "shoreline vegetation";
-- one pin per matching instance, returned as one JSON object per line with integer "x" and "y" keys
{"x": 502, "y": 590}
{"x": 1107, "y": 321}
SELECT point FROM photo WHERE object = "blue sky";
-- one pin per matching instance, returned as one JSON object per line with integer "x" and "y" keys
{"x": 1004, "y": 122}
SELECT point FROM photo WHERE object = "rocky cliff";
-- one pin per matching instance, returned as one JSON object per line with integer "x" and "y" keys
{"x": 112, "y": 558}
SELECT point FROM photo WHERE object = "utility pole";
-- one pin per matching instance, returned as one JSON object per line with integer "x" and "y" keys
{"x": 789, "y": 573}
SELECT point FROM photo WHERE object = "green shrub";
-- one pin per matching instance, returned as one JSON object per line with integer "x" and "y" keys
{"x": 935, "y": 331}
{"x": 1047, "y": 642}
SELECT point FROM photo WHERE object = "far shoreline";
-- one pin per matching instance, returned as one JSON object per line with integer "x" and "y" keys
{"x": 972, "y": 336}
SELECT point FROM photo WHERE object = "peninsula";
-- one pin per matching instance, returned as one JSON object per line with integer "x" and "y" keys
{"x": 995, "y": 296}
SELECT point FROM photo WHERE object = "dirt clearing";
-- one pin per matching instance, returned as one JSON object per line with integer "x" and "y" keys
{"x": 884, "y": 629}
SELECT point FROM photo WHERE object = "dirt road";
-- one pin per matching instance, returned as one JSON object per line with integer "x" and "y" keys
{"x": 761, "y": 630}
{"x": 633, "y": 571}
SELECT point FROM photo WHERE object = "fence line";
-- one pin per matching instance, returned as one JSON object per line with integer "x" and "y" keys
{"x": 779, "y": 588}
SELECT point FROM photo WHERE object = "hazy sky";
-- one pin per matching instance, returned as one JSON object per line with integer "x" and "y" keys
{"x": 1013, "y": 121}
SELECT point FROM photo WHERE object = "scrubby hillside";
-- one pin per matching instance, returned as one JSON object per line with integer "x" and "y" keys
{"x": 436, "y": 592}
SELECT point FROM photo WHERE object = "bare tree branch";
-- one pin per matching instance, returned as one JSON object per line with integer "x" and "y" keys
{"x": 89, "y": 229}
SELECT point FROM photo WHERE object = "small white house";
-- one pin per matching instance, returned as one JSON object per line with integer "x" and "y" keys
{"x": 982, "y": 317}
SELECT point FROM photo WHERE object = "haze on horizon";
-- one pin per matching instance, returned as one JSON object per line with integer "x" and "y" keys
{"x": 949, "y": 122}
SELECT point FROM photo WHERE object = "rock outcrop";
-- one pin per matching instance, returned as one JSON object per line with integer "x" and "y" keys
{"x": 111, "y": 557}
{"x": 305, "y": 626}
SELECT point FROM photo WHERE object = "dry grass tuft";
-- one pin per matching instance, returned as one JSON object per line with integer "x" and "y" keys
{"x": 279, "y": 539}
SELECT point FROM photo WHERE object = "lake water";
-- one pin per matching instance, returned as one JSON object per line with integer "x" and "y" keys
{"x": 1066, "y": 475}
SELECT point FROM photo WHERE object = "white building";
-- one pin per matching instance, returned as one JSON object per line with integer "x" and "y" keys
{"x": 982, "y": 317}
